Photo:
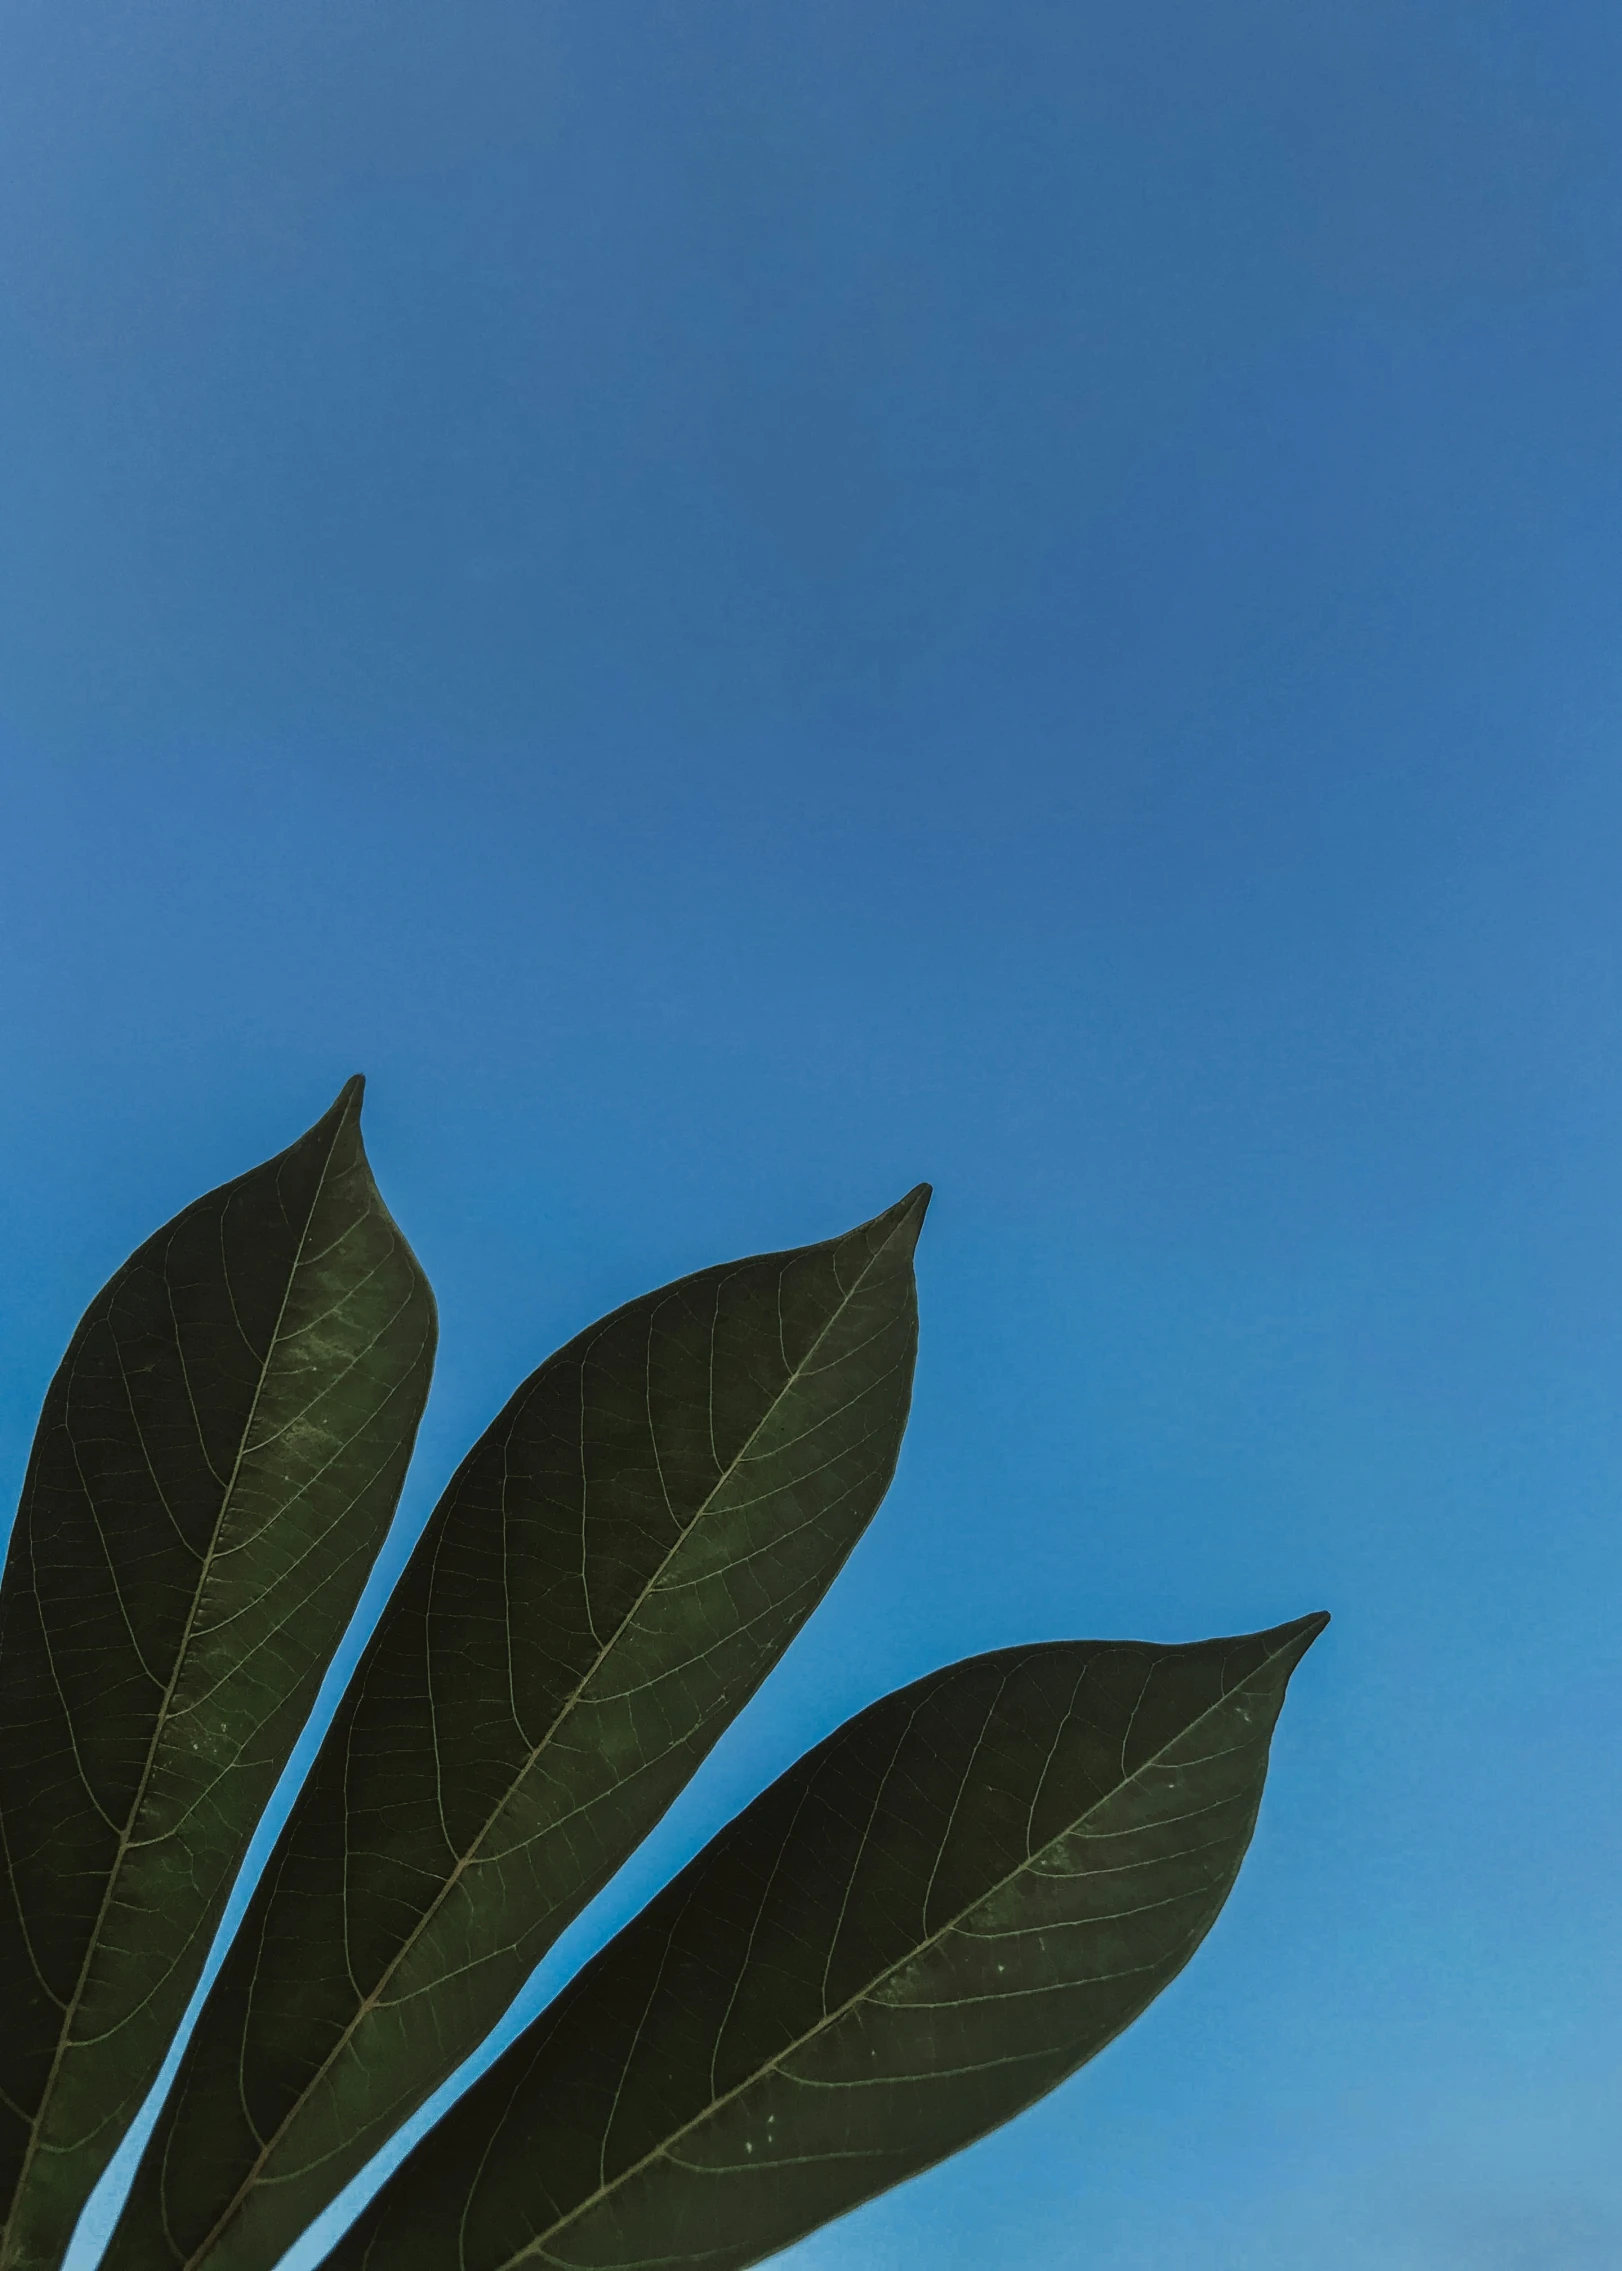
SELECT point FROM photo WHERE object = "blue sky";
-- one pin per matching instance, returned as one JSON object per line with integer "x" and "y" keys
{"x": 743, "y": 605}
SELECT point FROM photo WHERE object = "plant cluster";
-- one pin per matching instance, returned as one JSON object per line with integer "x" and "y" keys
{"x": 931, "y": 1919}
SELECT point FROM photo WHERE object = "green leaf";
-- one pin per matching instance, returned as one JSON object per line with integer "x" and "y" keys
{"x": 216, "y": 1464}
{"x": 610, "y": 1575}
{"x": 929, "y": 1921}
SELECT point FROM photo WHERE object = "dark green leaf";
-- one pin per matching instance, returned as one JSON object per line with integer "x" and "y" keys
{"x": 218, "y": 1459}
{"x": 608, "y": 1578}
{"x": 930, "y": 1920}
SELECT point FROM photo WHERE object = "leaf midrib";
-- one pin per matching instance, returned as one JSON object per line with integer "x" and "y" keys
{"x": 127, "y": 1842}
{"x": 863, "y": 1993}
{"x": 470, "y": 1854}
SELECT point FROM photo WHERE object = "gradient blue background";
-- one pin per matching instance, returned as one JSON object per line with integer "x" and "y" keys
{"x": 746, "y": 603}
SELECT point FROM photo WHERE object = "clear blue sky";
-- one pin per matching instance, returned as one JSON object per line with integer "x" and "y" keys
{"x": 745, "y": 604}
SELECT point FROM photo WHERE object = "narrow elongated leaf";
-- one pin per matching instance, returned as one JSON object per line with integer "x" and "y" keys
{"x": 609, "y": 1576}
{"x": 218, "y": 1459}
{"x": 930, "y": 1920}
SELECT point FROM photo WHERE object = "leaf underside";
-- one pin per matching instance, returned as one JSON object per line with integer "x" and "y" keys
{"x": 217, "y": 1461}
{"x": 929, "y": 1921}
{"x": 609, "y": 1576}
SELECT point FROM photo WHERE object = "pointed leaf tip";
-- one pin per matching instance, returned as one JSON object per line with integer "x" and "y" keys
{"x": 1296, "y": 1637}
{"x": 343, "y": 1110}
{"x": 907, "y": 1213}
{"x": 1308, "y": 1627}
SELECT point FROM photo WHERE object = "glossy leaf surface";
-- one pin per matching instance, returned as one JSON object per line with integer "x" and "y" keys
{"x": 929, "y": 1921}
{"x": 608, "y": 1578}
{"x": 217, "y": 1461}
